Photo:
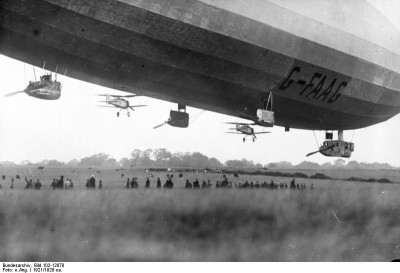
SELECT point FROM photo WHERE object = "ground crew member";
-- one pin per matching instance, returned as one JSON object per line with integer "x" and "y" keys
{"x": 188, "y": 185}
{"x": 147, "y": 183}
{"x": 196, "y": 184}
{"x": 293, "y": 184}
{"x": 158, "y": 183}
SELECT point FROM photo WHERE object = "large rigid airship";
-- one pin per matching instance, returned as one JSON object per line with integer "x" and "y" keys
{"x": 329, "y": 65}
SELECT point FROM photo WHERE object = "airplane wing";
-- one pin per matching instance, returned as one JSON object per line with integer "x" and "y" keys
{"x": 142, "y": 105}
{"x": 104, "y": 106}
{"x": 261, "y": 133}
{"x": 234, "y": 133}
{"x": 239, "y": 123}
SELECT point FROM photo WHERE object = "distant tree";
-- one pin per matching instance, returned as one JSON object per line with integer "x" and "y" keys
{"x": 25, "y": 162}
{"x": 43, "y": 162}
{"x": 54, "y": 162}
{"x": 7, "y": 163}
{"x": 124, "y": 162}
{"x": 353, "y": 165}
{"x": 244, "y": 163}
{"x": 111, "y": 162}
{"x": 97, "y": 160}
{"x": 162, "y": 157}
{"x": 73, "y": 163}
{"x": 214, "y": 163}
{"x": 339, "y": 163}
{"x": 307, "y": 165}
{"x": 142, "y": 158}
{"x": 146, "y": 160}
{"x": 327, "y": 166}
{"x": 282, "y": 165}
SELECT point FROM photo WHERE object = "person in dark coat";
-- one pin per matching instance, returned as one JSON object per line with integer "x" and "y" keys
{"x": 60, "y": 184}
{"x": 293, "y": 184}
{"x": 188, "y": 185}
{"x": 92, "y": 182}
{"x": 147, "y": 185}
{"x": 127, "y": 184}
{"x": 29, "y": 184}
{"x": 196, "y": 184}
{"x": 169, "y": 184}
{"x": 134, "y": 183}
{"x": 37, "y": 185}
{"x": 158, "y": 183}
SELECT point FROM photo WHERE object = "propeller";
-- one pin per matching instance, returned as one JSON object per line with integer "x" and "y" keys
{"x": 320, "y": 150}
{"x": 105, "y": 106}
{"x": 162, "y": 124}
{"x": 13, "y": 94}
{"x": 133, "y": 106}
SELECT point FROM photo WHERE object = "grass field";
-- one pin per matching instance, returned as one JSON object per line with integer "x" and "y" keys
{"x": 338, "y": 221}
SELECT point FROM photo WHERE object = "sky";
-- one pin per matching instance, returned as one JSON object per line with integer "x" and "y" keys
{"x": 74, "y": 127}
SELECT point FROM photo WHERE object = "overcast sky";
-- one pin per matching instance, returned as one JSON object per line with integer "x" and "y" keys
{"x": 74, "y": 127}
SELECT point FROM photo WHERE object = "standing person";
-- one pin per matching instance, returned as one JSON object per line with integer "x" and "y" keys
{"x": 147, "y": 185}
{"x": 134, "y": 183}
{"x": 158, "y": 183}
{"x": 169, "y": 184}
{"x": 196, "y": 184}
{"x": 29, "y": 183}
{"x": 188, "y": 185}
{"x": 60, "y": 184}
{"x": 100, "y": 185}
{"x": 293, "y": 184}
{"x": 127, "y": 184}
{"x": 37, "y": 185}
{"x": 92, "y": 182}
{"x": 53, "y": 184}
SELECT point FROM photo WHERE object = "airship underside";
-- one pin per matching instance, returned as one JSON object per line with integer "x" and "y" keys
{"x": 330, "y": 65}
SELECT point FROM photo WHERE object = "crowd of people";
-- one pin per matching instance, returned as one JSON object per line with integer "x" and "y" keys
{"x": 66, "y": 183}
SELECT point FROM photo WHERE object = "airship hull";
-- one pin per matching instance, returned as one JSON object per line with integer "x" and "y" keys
{"x": 210, "y": 55}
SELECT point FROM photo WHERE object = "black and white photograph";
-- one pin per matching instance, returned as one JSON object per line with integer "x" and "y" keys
{"x": 198, "y": 131}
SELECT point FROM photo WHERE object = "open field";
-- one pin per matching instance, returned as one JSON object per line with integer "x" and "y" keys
{"x": 338, "y": 221}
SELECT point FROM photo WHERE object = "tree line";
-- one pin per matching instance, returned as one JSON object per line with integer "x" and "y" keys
{"x": 162, "y": 158}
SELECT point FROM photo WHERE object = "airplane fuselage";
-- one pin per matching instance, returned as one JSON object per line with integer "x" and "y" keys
{"x": 330, "y": 65}
{"x": 247, "y": 130}
{"x": 119, "y": 103}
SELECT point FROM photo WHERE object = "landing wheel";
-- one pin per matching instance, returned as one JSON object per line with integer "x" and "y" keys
{"x": 254, "y": 140}
{"x": 117, "y": 114}
{"x": 244, "y": 139}
{"x": 129, "y": 114}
